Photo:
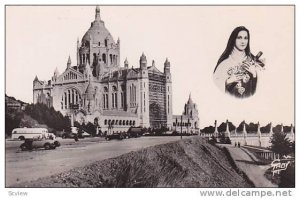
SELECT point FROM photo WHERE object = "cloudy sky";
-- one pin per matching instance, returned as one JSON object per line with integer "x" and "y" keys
{"x": 40, "y": 38}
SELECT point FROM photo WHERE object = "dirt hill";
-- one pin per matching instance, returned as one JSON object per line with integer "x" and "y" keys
{"x": 187, "y": 163}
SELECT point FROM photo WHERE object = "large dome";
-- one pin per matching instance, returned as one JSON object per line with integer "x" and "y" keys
{"x": 97, "y": 32}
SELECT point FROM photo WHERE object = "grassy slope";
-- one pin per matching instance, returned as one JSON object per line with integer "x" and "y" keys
{"x": 187, "y": 163}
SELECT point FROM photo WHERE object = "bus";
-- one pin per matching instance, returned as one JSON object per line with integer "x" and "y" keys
{"x": 29, "y": 133}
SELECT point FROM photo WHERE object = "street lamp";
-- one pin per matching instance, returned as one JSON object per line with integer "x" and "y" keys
{"x": 181, "y": 127}
{"x": 176, "y": 125}
{"x": 188, "y": 123}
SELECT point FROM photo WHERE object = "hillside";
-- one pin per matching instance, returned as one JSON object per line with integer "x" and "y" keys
{"x": 187, "y": 163}
{"x": 20, "y": 114}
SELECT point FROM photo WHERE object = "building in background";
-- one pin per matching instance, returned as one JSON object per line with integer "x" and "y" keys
{"x": 98, "y": 89}
{"x": 188, "y": 122}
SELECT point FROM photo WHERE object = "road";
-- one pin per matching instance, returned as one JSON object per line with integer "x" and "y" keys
{"x": 30, "y": 165}
{"x": 246, "y": 163}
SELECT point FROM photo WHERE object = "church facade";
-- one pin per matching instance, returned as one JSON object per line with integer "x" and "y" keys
{"x": 98, "y": 89}
{"x": 188, "y": 121}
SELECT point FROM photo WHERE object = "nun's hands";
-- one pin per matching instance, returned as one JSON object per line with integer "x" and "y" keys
{"x": 251, "y": 67}
{"x": 234, "y": 78}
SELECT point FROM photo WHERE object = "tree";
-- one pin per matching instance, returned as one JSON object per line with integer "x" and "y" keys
{"x": 280, "y": 144}
{"x": 89, "y": 127}
{"x": 252, "y": 128}
{"x": 287, "y": 177}
{"x": 50, "y": 117}
{"x": 209, "y": 129}
{"x": 212, "y": 140}
{"x": 224, "y": 140}
{"x": 266, "y": 129}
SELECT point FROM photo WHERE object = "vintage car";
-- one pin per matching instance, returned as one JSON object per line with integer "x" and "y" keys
{"x": 134, "y": 132}
{"x": 84, "y": 134}
{"x": 118, "y": 136}
{"x": 66, "y": 135}
{"x": 47, "y": 144}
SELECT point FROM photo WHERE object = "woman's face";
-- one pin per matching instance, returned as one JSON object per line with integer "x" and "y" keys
{"x": 241, "y": 41}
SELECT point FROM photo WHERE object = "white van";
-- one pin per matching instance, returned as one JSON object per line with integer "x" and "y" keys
{"x": 29, "y": 133}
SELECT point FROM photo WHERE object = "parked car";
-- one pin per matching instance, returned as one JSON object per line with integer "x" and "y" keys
{"x": 68, "y": 135}
{"x": 47, "y": 144}
{"x": 118, "y": 136}
{"x": 134, "y": 132}
{"x": 85, "y": 134}
{"x": 51, "y": 136}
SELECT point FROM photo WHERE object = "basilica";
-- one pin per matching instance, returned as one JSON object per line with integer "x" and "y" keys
{"x": 98, "y": 89}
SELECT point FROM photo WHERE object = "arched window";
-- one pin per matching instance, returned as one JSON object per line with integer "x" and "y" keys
{"x": 88, "y": 58}
{"x": 66, "y": 98}
{"x": 69, "y": 98}
{"x": 104, "y": 57}
{"x": 62, "y": 102}
{"x": 83, "y": 58}
{"x": 133, "y": 123}
{"x": 130, "y": 95}
{"x": 114, "y": 97}
{"x": 73, "y": 101}
{"x": 105, "y": 122}
{"x": 94, "y": 58}
{"x": 116, "y": 100}
{"x": 105, "y": 98}
{"x": 123, "y": 122}
{"x": 104, "y": 101}
{"x": 111, "y": 60}
{"x": 105, "y": 89}
{"x": 130, "y": 122}
{"x": 127, "y": 123}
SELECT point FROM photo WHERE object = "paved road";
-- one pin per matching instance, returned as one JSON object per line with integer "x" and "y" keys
{"x": 26, "y": 166}
{"x": 246, "y": 163}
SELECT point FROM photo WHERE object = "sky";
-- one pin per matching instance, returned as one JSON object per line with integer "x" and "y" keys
{"x": 40, "y": 38}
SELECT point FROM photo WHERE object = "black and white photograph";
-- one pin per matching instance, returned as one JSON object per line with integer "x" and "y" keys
{"x": 150, "y": 96}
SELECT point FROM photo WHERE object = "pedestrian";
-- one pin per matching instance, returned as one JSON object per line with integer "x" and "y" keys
{"x": 76, "y": 137}
{"x": 239, "y": 145}
{"x": 235, "y": 144}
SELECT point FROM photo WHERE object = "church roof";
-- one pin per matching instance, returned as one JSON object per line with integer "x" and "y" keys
{"x": 154, "y": 69}
{"x": 121, "y": 74}
{"x": 97, "y": 32}
{"x": 36, "y": 78}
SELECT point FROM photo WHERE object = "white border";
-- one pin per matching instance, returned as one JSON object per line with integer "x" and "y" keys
{"x": 157, "y": 192}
